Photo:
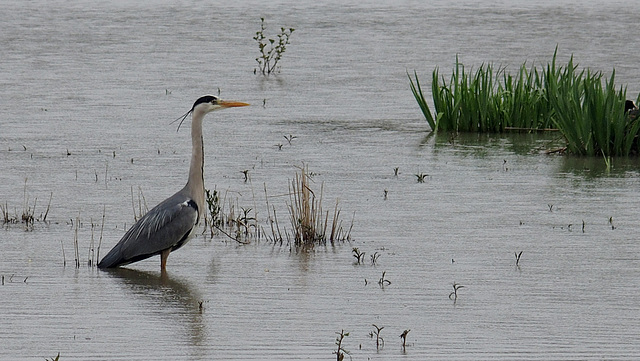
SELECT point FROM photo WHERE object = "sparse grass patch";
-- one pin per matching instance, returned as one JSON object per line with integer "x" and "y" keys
{"x": 310, "y": 223}
{"x": 308, "y": 220}
{"x": 27, "y": 215}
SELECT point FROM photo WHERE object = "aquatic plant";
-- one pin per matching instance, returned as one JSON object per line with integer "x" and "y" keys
{"x": 379, "y": 339}
{"x": 374, "y": 258}
{"x": 487, "y": 100}
{"x": 92, "y": 260}
{"x": 290, "y": 138}
{"x": 271, "y": 50}
{"x": 590, "y": 111}
{"x": 359, "y": 256}
{"x": 416, "y": 89}
{"x": 27, "y": 217}
{"x": 54, "y": 359}
{"x": 309, "y": 221}
{"x": 383, "y": 281}
{"x": 75, "y": 244}
{"x": 518, "y": 258}
{"x": 403, "y": 336}
{"x": 244, "y": 223}
{"x": 235, "y": 222}
{"x": 201, "y": 305}
{"x": 454, "y": 295}
{"x": 142, "y": 205}
{"x": 584, "y": 106}
{"x": 214, "y": 220}
{"x": 341, "y": 351}
{"x": 10, "y": 280}
{"x": 6, "y": 218}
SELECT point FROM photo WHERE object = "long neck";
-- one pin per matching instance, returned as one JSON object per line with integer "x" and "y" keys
{"x": 195, "y": 184}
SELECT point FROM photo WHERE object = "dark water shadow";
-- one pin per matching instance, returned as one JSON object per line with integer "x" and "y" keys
{"x": 480, "y": 144}
{"x": 596, "y": 167}
{"x": 168, "y": 297}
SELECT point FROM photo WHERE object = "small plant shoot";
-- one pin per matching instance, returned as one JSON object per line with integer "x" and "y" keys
{"x": 403, "y": 336}
{"x": 383, "y": 281}
{"x": 454, "y": 295}
{"x": 379, "y": 339}
{"x": 518, "y": 258}
{"x": 359, "y": 256}
{"x": 374, "y": 258}
{"x": 340, "y": 351}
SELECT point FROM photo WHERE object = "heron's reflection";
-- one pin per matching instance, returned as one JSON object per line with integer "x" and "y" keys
{"x": 169, "y": 296}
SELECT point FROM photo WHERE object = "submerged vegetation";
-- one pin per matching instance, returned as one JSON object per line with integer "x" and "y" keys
{"x": 586, "y": 108}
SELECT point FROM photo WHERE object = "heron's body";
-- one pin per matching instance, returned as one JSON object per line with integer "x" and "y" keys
{"x": 169, "y": 225}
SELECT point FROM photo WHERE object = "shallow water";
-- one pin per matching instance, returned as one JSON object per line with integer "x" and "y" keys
{"x": 88, "y": 93}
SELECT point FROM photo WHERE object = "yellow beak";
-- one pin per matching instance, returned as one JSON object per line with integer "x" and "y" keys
{"x": 231, "y": 104}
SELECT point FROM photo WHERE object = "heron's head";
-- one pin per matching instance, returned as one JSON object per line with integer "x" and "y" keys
{"x": 209, "y": 103}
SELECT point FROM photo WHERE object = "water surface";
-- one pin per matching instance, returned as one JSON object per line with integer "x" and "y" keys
{"x": 89, "y": 91}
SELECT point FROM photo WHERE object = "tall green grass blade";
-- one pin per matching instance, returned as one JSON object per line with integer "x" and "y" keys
{"x": 417, "y": 93}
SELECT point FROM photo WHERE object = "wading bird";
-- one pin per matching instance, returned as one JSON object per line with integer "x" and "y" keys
{"x": 169, "y": 225}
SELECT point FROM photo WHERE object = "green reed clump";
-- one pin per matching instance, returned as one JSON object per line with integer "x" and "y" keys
{"x": 589, "y": 111}
{"x": 587, "y": 108}
{"x": 487, "y": 100}
{"x": 522, "y": 102}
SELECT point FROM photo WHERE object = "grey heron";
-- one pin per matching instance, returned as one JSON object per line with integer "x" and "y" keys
{"x": 168, "y": 226}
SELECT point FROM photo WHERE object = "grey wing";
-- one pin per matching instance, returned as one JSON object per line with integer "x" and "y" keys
{"x": 167, "y": 225}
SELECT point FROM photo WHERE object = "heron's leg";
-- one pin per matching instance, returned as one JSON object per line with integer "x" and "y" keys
{"x": 163, "y": 259}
